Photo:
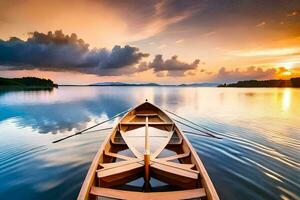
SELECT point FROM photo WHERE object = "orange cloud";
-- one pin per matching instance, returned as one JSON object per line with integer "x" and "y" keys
{"x": 261, "y": 24}
{"x": 179, "y": 41}
{"x": 267, "y": 52}
{"x": 249, "y": 74}
{"x": 292, "y": 13}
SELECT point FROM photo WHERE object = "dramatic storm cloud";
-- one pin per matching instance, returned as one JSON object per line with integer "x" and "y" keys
{"x": 59, "y": 52}
{"x": 172, "y": 66}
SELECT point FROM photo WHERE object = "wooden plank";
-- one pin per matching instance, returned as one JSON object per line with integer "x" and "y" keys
{"x": 118, "y": 155}
{"x": 205, "y": 179}
{"x": 175, "y": 171}
{"x": 161, "y": 118}
{"x": 117, "y": 164}
{"x": 146, "y": 115}
{"x": 90, "y": 177}
{"x": 171, "y": 195}
{"x": 179, "y": 176}
{"x": 88, "y": 181}
{"x": 178, "y": 156}
{"x": 146, "y": 155}
{"x": 118, "y": 170}
{"x": 120, "y": 179}
{"x": 143, "y": 123}
{"x": 186, "y": 167}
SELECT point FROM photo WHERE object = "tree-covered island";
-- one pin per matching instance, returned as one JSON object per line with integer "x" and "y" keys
{"x": 293, "y": 82}
{"x": 26, "y": 83}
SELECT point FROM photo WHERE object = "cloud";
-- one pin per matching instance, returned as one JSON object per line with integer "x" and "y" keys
{"x": 179, "y": 41}
{"x": 282, "y": 70}
{"x": 249, "y": 74}
{"x": 148, "y": 19}
{"x": 56, "y": 51}
{"x": 261, "y": 24}
{"x": 210, "y": 33}
{"x": 267, "y": 52}
{"x": 292, "y": 13}
{"x": 163, "y": 46}
{"x": 169, "y": 67}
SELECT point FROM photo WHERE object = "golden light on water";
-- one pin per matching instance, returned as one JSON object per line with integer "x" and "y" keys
{"x": 286, "y": 99}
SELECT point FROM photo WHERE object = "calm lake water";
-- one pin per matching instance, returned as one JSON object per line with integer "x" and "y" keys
{"x": 258, "y": 157}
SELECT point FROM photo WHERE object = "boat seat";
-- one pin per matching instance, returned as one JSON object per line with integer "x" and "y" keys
{"x": 178, "y": 156}
{"x": 121, "y": 194}
{"x": 174, "y": 173}
{"x": 186, "y": 167}
{"x": 147, "y": 115}
{"x": 142, "y": 148}
{"x": 116, "y": 155}
{"x": 120, "y": 171}
{"x": 116, "y": 164}
{"x": 143, "y": 123}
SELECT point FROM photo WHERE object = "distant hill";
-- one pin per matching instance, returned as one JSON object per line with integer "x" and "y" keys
{"x": 109, "y": 84}
{"x": 200, "y": 85}
{"x": 154, "y": 84}
{"x": 123, "y": 84}
{"x": 293, "y": 82}
{"x": 26, "y": 83}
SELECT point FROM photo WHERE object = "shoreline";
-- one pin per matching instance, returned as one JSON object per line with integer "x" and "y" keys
{"x": 25, "y": 88}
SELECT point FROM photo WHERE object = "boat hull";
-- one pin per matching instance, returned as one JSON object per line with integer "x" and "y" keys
{"x": 146, "y": 146}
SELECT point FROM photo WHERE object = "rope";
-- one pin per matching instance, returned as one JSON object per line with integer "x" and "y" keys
{"x": 209, "y": 133}
{"x": 212, "y": 135}
{"x": 193, "y": 133}
{"x": 84, "y": 130}
{"x": 189, "y": 121}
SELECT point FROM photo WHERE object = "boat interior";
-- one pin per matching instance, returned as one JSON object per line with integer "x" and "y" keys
{"x": 147, "y": 154}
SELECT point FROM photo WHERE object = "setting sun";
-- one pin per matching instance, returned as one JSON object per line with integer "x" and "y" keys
{"x": 287, "y": 73}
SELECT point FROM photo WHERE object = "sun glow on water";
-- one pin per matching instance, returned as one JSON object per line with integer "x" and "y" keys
{"x": 286, "y": 99}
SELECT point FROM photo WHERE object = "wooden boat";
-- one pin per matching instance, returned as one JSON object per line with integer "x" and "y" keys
{"x": 146, "y": 156}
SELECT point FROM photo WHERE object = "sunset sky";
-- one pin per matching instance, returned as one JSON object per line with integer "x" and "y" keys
{"x": 150, "y": 41}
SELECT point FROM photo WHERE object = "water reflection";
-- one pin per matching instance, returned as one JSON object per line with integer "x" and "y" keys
{"x": 286, "y": 101}
{"x": 56, "y": 113}
{"x": 257, "y": 159}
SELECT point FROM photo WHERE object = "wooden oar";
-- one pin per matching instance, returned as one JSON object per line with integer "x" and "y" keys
{"x": 84, "y": 130}
{"x": 146, "y": 157}
{"x": 101, "y": 129}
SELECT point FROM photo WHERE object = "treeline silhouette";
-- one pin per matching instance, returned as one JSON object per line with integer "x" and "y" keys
{"x": 293, "y": 82}
{"x": 27, "y": 82}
